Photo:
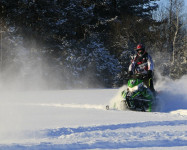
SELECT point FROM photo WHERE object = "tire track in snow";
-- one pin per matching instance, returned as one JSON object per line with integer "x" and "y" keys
{"x": 85, "y": 106}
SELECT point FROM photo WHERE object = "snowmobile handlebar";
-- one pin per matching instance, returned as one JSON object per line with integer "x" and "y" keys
{"x": 138, "y": 76}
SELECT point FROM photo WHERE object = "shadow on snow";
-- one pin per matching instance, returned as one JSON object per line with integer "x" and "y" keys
{"x": 55, "y": 133}
{"x": 68, "y": 131}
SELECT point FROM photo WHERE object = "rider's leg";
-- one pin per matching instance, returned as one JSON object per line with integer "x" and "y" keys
{"x": 149, "y": 83}
{"x": 151, "y": 86}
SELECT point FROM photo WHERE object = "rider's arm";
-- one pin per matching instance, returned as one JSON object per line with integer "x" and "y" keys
{"x": 150, "y": 63}
{"x": 132, "y": 65}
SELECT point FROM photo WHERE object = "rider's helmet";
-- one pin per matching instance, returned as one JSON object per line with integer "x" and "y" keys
{"x": 140, "y": 49}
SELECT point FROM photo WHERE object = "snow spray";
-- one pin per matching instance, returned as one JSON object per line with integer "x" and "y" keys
{"x": 172, "y": 94}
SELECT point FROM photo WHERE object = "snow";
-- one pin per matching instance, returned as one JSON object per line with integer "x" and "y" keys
{"x": 77, "y": 119}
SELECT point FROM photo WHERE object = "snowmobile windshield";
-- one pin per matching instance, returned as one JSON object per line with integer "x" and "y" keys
{"x": 134, "y": 82}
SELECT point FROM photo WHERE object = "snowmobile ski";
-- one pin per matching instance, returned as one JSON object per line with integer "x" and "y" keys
{"x": 107, "y": 107}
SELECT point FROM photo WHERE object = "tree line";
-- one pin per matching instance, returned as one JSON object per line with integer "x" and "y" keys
{"x": 92, "y": 40}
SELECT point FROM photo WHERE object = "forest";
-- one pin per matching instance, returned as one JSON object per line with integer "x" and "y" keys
{"x": 89, "y": 43}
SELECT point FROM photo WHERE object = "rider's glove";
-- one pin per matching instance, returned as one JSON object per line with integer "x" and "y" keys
{"x": 149, "y": 73}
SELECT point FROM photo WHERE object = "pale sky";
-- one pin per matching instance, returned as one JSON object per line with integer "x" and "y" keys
{"x": 185, "y": 5}
{"x": 166, "y": 1}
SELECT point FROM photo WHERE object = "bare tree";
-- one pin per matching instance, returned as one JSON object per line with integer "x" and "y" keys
{"x": 172, "y": 38}
{"x": 177, "y": 23}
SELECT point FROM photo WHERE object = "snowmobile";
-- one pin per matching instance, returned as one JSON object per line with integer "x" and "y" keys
{"x": 137, "y": 96}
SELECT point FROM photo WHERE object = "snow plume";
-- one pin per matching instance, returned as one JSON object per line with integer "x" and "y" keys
{"x": 24, "y": 71}
{"x": 115, "y": 101}
{"x": 30, "y": 69}
{"x": 172, "y": 93}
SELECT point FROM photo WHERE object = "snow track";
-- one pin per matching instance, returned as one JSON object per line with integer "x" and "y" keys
{"x": 85, "y": 106}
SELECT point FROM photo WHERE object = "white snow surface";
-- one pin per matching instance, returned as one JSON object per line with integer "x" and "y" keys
{"x": 77, "y": 119}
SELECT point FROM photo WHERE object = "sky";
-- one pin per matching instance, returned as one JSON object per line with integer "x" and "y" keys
{"x": 166, "y": 1}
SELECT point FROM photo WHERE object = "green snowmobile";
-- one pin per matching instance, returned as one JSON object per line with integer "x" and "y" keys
{"x": 137, "y": 96}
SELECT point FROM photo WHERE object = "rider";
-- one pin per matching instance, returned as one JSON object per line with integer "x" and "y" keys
{"x": 142, "y": 63}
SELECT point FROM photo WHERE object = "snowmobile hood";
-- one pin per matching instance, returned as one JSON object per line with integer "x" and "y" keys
{"x": 134, "y": 82}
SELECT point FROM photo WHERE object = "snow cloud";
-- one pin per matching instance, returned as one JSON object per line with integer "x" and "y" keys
{"x": 24, "y": 71}
{"x": 172, "y": 93}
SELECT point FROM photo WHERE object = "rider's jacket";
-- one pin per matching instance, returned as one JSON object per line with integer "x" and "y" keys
{"x": 141, "y": 64}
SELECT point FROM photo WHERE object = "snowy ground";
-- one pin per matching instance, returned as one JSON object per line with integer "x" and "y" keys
{"x": 77, "y": 119}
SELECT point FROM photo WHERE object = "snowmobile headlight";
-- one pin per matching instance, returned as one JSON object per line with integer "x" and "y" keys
{"x": 133, "y": 89}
